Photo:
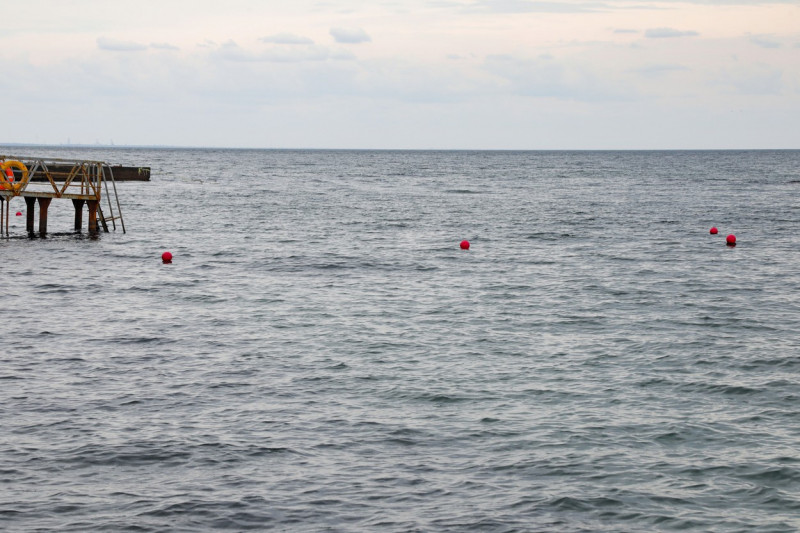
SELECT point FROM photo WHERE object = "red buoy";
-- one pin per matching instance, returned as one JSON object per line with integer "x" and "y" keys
{"x": 713, "y": 231}
{"x": 730, "y": 240}
{"x": 166, "y": 257}
{"x": 465, "y": 244}
{"x": 19, "y": 213}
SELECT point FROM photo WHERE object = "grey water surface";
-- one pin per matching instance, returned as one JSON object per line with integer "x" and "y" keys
{"x": 322, "y": 356}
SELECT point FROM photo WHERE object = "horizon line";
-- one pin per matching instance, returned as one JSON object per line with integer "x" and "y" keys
{"x": 195, "y": 147}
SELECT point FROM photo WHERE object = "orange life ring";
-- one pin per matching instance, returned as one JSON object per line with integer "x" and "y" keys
{"x": 7, "y": 182}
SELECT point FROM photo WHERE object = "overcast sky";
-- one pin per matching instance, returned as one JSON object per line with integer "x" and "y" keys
{"x": 493, "y": 74}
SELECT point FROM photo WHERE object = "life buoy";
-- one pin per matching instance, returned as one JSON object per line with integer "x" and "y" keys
{"x": 7, "y": 175}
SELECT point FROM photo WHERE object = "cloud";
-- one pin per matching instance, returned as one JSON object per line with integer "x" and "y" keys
{"x": 623, "y": 30}
{"x": 727, "y": 2}
{"x": 527, "y": 6}
{"x": 350, "y": 35}
{"x": 163, "y": 46}
{"x": 311, "y": 53}
{"x": 753, "y": 80}
{"x": 655, "y": 71}
{"x": 114, "y": 45}
{"x": 764, "y": 41}
{"x": 231, "y": 51}
{"x": 668, "y": 33}
{"x": 286, "y": 38}
{"x": 578, "y": 6}
{"x": 544, "y": 77}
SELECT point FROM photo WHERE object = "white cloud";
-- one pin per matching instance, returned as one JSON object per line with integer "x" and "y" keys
{"x": 231, "y": 51}
{"x": 583, "y": 6}
{"x": 668, "y": 33}
{"x": 658, "y": 70}
{"x": 286, "y": 38}
{"x": 410, "y": 82}
{"x": 752, "y": 80}
{"x": 350, "y": 35}
{"x": 718, "y": 2}
{"x": 163, "y": 46}
{"x": 311, "y": 53}
{"x": 528, "y": 6}
{"x": 764, "y": 41}
{"x": 547, "y": 78}
{"x": 114, "y": 45}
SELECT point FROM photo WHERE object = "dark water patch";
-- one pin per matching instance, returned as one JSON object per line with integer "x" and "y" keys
{"x": 787, "y": 363}
{"x": 717, "y": 388}
{"x": 555, "y": 236}
{"x": 780, "y": 476}
{"x": 135, "y": 340}
{"x": 54, "y": 288}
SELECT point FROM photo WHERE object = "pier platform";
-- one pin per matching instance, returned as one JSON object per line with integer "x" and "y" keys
{"x": 121, "y": 173}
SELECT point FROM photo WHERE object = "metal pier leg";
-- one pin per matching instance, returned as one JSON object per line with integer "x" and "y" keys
{"x": 78, "y": 213}
{"x": 30, "y": 203}
{"x": 92, "y": 216}
{"x": 44, "y": 203}
{"x": 8, "y": 208}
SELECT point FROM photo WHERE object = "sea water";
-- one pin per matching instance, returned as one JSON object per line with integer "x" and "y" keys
{"x": 322, "y": 356}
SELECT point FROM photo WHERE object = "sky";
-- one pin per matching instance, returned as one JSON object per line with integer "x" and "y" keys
{"x": 416, "y": 74}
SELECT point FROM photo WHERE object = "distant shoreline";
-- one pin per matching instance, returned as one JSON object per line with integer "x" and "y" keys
{"x": 499, "y": 150}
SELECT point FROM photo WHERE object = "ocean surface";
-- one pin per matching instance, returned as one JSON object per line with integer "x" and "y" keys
{"x": 322, "y": 356}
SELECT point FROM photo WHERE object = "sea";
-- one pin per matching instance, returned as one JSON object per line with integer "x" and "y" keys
{"x": 322, "y": 355}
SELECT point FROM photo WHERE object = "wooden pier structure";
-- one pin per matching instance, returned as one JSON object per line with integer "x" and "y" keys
{"x": 42, "y": 180}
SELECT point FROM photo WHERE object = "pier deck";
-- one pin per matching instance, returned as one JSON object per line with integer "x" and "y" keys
{"x": 121, "y": 173}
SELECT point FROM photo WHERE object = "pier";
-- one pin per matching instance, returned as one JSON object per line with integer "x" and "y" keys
{"x": 120, "y": 173}
{"x": 40, "y": 181}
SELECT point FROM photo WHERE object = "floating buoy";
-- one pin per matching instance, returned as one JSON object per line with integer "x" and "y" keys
{"x": 19, "y": 213}
{"x": 713, "y": 231}
{"x": 166, "y": 257}
{"x": 730, "y": 240}
{"x": 465, "y": 244}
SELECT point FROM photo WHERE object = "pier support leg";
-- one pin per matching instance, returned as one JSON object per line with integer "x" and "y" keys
{"x": 44, "y": 203}
{"x": 78, "y": 213}
{"x": 92, "y": 216}
{"x": 30, "y": 203}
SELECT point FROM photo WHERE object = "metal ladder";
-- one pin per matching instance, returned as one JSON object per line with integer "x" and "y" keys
{"x": 104, "y": 220}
